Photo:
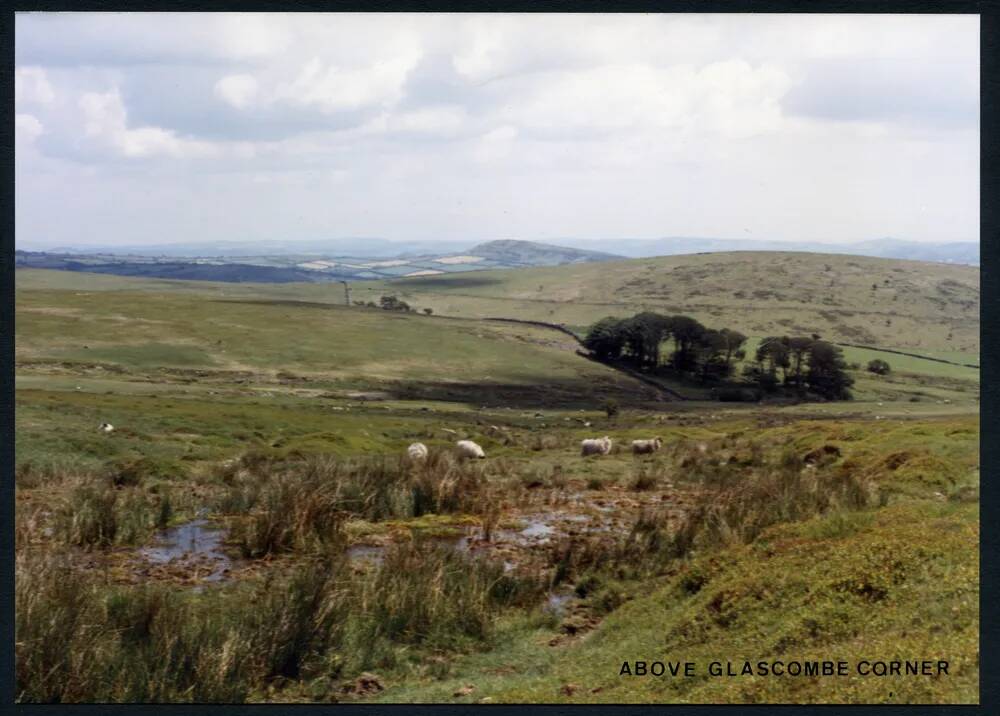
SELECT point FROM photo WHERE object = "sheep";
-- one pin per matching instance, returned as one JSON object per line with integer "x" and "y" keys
{"x": 595, "y": 446}
{"x": 467, "y": 448}
{"x": 107, "y": 428}
{"x": 644, "y": 447}
{"x": 417, "y": 451}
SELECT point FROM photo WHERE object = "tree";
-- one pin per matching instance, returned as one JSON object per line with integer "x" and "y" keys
{"x": 772, "y": 353}
{"x": 879, "y": 367}
{"x": 391, "y": 303}
{"x": 606, "y": 339}
{"x": 732, "y": 344}
{"x": 798, "y": 348}
{"x": 649, "y": 330}
{"x": 827, "y": 374}
{"x": 685, "y": 332}
{"x": 710, "y": 350}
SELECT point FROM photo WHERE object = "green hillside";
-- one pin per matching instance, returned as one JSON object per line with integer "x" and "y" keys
{"x": 854, "y": 299}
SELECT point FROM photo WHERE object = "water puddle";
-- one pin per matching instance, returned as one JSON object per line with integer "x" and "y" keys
{"x": 557, "y": 602}
{"x": 194, "y": 548}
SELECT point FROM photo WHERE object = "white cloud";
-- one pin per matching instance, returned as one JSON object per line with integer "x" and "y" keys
{"x": 27, "y": 128}
{"x": 237, "y": 90}
{"x": 31, "y": 86}
{"x": 105, "y": 120}
{"x": 331, "y": 88}
{"x": 730, "y": 98}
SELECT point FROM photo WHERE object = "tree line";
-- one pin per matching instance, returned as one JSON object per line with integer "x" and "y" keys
{"x": 683, "y": 346}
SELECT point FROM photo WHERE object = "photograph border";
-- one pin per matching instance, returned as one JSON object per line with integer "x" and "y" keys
{"x": 989, "y": 13}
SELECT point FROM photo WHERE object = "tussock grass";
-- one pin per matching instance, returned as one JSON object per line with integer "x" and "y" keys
{"x": 77, "y": 640}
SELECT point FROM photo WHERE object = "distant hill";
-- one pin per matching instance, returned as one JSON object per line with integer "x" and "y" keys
{"x": 532, "y": 253}
{"x": 852, "y": 299}
{"x": 958, "y": 252}
{"x": 288, "y": 268}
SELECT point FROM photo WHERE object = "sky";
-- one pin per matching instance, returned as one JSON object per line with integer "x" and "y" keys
{"x": 142, "y": 128}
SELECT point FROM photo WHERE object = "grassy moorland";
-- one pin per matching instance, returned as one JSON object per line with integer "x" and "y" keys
{"x": 854, "y": 299}
{"x": 817, "y": 530}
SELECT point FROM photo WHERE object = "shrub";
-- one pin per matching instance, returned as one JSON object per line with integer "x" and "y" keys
{"x": 878, "y": 367}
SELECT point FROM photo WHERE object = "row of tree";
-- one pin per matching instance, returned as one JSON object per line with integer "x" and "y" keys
{"x": 704, "y": 352}
{"x": 802, "y": 364}
{"x": 798, "y": 363}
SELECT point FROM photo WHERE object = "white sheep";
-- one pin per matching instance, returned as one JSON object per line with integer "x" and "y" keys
{"x": 467, "y": 448}
{"x": 595, "y": 446}
{"x": 107, "y": 428}
{"x": 644, "y": 447}
{"x": 417, "y": 451}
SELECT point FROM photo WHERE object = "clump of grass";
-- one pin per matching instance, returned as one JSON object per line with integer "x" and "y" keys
{"x": 90, "y": 517}
{"x": 78, "y": 640}
{"x": 95, "y": 514}
{"x": 291, "y": 513}
{"x": 376, "y": 488}
{"x": 644, "y": 480}
{"x": 539, "y": 442}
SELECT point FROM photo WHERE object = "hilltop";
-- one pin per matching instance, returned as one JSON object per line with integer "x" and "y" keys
{"x": 888, "y": 303}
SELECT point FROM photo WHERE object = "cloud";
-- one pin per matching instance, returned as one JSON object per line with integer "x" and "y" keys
{"x": 237, "y": 90}
{"x": 889, "y": 91}
{"x": 105, "y": 121}
{"x": 731, "y": 98}
{"x": 455, "y": 125}
{"x": 31, "y": 86}
{"x": 27, "y": 128}
{"x": 333, "y": 89}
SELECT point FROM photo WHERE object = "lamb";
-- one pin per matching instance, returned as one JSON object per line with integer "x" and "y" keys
{"x": 595, "y": 446}
{"x": 107, "y": 428}
{"x": 467, "y": 448}
{"x": 417, "y": 451}
{"x": 645, "y": 447}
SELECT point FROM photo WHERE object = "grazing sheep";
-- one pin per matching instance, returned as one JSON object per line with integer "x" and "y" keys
{"x": 645, "y": 447}
{"x": 417, "y": 451}
{"x": 467, "y": 448}
{"x": 595, "y": 446}
{"x": 107, "y": 428}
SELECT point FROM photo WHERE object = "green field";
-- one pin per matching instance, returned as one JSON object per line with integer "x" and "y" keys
{"x": 810, "y": 530}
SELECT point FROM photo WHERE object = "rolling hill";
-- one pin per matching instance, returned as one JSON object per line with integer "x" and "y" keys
{"x": 156, "y": 331}
{"x": 888, "y": 303}
{"x": 320, "y": 267}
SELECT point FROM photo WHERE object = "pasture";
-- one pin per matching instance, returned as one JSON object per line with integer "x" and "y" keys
{"x": 281, "y": 419}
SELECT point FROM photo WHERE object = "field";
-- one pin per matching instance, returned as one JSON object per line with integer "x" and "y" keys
{"x": 271, "y": 422}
